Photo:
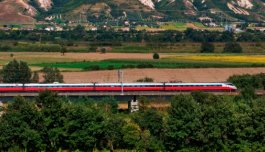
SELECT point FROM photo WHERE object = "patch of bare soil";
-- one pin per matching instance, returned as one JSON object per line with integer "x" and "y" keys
{"x": 160, "y": 75}
{"x": 191, "y": 25}
{"x": 68, "y": 57}
{"x": 100, "y": 56}
{"x": 16, "y": 11}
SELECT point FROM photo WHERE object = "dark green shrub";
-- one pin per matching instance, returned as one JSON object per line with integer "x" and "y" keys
{"x": 207, "y": 47}
{"x": 70, "y": 43}
{"x": 110, "y": 67}
{"x": 232, "y": 47}
{"x": 92, "y": 68}
{"x": 156, "y": 56}
{"x": 103, "y": 50}
{"x": 145, "y": 65}
{"x": 5, "y": 48}
{"x": 127, "y": 66}
{"x": 146, "y": 79}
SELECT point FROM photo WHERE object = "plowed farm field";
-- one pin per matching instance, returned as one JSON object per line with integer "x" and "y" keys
{"x": 160, "y": 75}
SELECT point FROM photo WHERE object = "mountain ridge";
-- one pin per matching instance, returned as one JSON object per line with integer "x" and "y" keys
{"x": 245, "y": 10}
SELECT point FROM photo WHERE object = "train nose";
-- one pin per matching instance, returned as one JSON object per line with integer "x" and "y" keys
{"x": 234, "y": 87}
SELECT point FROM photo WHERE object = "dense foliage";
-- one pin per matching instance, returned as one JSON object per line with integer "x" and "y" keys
{"x": 196, "y": 122}
{"x": 19, "y": 72}
{"x": 109, "y": 36}
{"x": 256, "y": 81}
{"x": 207, "y": 47}
{"x": 16, "y": 72}
{"x": 51, "y": 75}
{"x": 232, "y": 47}
{"x": 156, "y": 56}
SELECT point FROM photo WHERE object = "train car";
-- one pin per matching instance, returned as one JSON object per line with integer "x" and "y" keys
{"x": 108, "y": 87}
{"x": 200, "y": 87}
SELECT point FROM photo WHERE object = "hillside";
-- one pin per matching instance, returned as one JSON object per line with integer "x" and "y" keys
{"x": 13, "y": 11}
{"x": 137, "y": 10}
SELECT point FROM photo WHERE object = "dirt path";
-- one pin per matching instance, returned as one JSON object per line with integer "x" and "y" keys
{"x": 160, "y": 75}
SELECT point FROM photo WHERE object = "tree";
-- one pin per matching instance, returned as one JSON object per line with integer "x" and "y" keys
{"x": 207, "y": 47}
{"x": 21, "y": 117}
{"x": 183, "y": 123}
{"x": 131, "y": 134}
{"x": 84, "y": 127}
{"x": 218, "y": 122}
{"x": 63, "y": 50}
{"x": 78, "y": 32}
{"x": 52, "y": 75}
{"x": 150, "y": 120}
{"x": 103, "y": 50}
{"x": 112, "y": 131}
{"x": 53, "y": 116}
{"x": 232, "y": 47}
{"x": 227, "y": 36}
{"x": 248, "y": 93}
{"x": 5, "y": 48}
{"x": 156, "y": 56}
{"x": 16, "y": 72}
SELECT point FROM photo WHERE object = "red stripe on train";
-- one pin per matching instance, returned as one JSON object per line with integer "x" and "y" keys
{"x": 180, "y": 88}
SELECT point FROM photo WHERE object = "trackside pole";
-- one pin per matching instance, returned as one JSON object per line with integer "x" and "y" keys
{"x": 122, "y": 89}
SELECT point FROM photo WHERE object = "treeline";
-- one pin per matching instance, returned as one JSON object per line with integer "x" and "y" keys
{"x": 196, "y": 122}
{"x": 80, "y": 34}
{"x": 19, "y": 72}
{"x": 256, "y": 81}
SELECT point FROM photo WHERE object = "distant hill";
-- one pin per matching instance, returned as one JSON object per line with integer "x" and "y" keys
{"x": 137, "y": 10}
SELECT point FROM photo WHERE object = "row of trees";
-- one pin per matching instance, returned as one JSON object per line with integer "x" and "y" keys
{"x": 230, "y": 47}
{"x": 256, "y": 81}
{"x": 79, "y": 33}
{"x": 19, "y": 72}
{"x": 196, "y": 122}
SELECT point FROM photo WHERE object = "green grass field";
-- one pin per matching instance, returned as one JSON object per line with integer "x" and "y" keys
{"x": 178, "y": 26}
{"x": 174, "y": 26}
{"x": 163, "y": 63}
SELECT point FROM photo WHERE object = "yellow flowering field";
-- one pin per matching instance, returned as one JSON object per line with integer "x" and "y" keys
{"x": 223, "y": 58}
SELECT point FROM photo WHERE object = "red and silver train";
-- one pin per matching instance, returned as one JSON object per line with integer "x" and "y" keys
{"x": 109, "y": 87}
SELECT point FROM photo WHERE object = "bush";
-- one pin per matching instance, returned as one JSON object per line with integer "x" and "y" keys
{"x": 207, "y": 47}
{"x": 92, "y": 49}
{"x": 51, "y": 75}
{"x": 144, "y": 65}
{"x": 256, "y": 81}
{"x": 110, "y": 67}
{"x": 156, "y": 56}
{"x": 70, "y": 43}
{"x": 146, "y": 79}
{"x": 5, "y": 48}
{"x": 232, "y": 47}
{"x": 92, "y": 68}
{"x": 128, "y": 66}
{"x": 103, "y": 50}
